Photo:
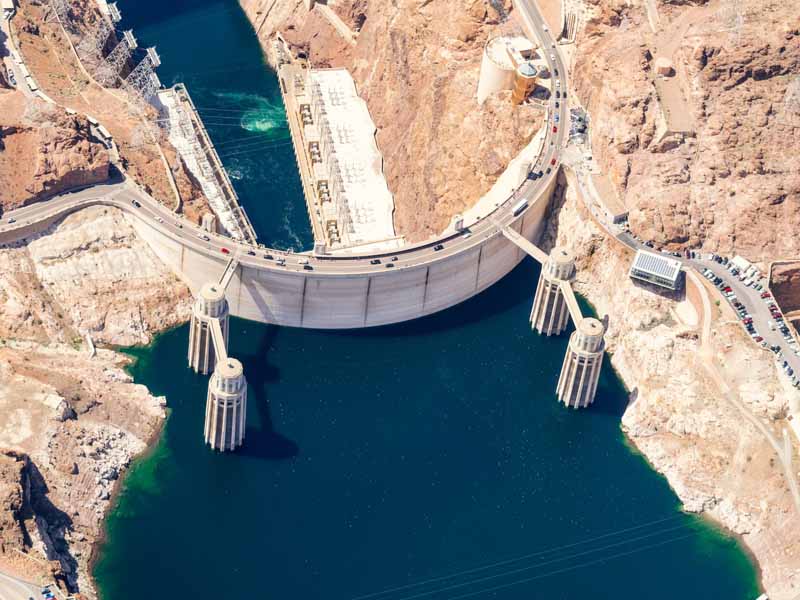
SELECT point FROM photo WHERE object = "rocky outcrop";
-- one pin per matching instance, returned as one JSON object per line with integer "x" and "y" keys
{"x": 417, "y": 66}
{"x": 72, "y": 420}
{"x": 785, "y": 286}
{"x": 89, "y": 274}
{"x": 145, "y": 153}
{"x": 58, "y": 496}
{"x": 45, "y": 151}
{"x": 730, "y": 182}
{"x": 14, "y": 499}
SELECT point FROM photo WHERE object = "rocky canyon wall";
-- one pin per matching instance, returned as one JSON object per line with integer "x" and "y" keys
{"x": 729, "y": 182}
{"x": 717, "y": 462}
{"x": 44, "y": 150}
{"x": 416, "y": 64}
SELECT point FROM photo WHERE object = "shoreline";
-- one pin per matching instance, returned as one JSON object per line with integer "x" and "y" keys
{"x": 630, "y": 442}
{"x": 151, "y": 445}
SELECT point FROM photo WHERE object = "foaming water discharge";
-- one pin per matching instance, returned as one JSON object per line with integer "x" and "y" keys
{"x": 259, "y": 114}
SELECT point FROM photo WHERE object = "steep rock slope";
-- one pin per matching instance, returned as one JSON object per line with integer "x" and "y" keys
{"x": 90, "y": 274}
{"x": 44, "y": 150}
{"x": 732, "y": 183}
{"x": 72, "y": 421}
{"x": 717, "y": 462}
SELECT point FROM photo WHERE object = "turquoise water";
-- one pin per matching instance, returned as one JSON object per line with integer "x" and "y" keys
{"x": 428, "y": 460}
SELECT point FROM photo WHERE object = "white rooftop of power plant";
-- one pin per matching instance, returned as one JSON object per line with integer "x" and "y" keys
{"x": 655, "y": 268}
{"x": 357, "y": 158}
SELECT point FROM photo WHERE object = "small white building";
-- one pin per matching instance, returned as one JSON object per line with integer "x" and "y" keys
{"x": 657, "y": 269}
{"x": 741, "y": 263}
{"x": 9, "y": 8}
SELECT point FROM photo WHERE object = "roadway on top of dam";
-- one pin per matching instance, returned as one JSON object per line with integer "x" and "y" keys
{"x": 19, "y": 223}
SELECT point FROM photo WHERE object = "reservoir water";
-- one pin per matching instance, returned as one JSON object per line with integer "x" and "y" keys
{"x": 428, "y": 460}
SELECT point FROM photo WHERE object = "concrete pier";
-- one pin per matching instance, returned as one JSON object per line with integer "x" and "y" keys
{"x": 550, "y": 311}
{"x": 210, "y": 306}
{"x": 584, "y": 358}
{"x": 226, "y": 406}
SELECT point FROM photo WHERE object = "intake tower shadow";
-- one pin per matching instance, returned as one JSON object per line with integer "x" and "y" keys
{"x": 262, "y": 441}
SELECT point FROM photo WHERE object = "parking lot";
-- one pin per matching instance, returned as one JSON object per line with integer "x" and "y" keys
{"x": 759, "y": 316}
{"x": 756, "y": 310}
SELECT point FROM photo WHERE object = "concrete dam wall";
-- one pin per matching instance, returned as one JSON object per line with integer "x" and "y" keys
{"x": 341, "y": 301}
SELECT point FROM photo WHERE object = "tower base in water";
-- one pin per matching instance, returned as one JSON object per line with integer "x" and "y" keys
{"x": 577, "y": 384}
{"x": 226, "y": 406}
{"x": 550, "y": 313}
{"x": 210, "y": 304}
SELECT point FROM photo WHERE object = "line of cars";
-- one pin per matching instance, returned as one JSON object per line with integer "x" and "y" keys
{"x": 741, "y": 309}
{"x": 777, "y": 323}
{"x": 751, "y": 276}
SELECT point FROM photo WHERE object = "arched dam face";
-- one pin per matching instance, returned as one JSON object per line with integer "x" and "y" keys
{"x": 427, "y": 460}
{"x": 377, "y": 296}
{"x": 238, "y": 98}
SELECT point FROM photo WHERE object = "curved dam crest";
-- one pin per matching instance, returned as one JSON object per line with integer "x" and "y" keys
{"x": 380, "y": 458}
{"x": 330, "y": 301}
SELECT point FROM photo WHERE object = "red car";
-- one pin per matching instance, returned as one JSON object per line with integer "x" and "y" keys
{"x": 758, "y": 338}
{"x": 225, "y": 251}
{"x": 553, "y": 162}
{"x": 555, "y": 129}
{"x": 766, "y": 295}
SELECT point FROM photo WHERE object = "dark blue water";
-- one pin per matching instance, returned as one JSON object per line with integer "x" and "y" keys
{"x": 210, "y": 46}
{"x": 428, "y": 460}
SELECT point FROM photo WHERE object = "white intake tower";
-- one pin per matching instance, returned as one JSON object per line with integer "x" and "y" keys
{"x": 226, "y": 406}
{"x": 550, "y": 313}
{"x": 210, "y": 305}
{"x": 577, "y": 384}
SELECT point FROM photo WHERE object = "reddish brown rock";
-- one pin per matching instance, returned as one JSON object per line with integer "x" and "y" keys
{"x": 45, "y": 151}
{"x": 417, "y": 66}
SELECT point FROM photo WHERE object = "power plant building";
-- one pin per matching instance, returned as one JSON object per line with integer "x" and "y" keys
{"x": 357, "y": 206}
{"x": 657, "y": 269}
{"x": 506, "y": 65}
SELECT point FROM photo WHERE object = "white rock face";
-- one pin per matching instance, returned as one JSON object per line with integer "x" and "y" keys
{"x": 79, "y": 417}
{"x": 90, "y": 274}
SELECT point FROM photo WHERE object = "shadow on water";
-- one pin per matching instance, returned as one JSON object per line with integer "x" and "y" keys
{"x": 517, "y": 287}
{"x": 261, "y": 439}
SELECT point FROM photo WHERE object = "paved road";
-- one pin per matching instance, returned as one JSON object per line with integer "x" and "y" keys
{"x": 756, "y": 307}
{"x": 12, "y": 588}
{"x": 122, "y": 195}
{"x": 751, "y": 298}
